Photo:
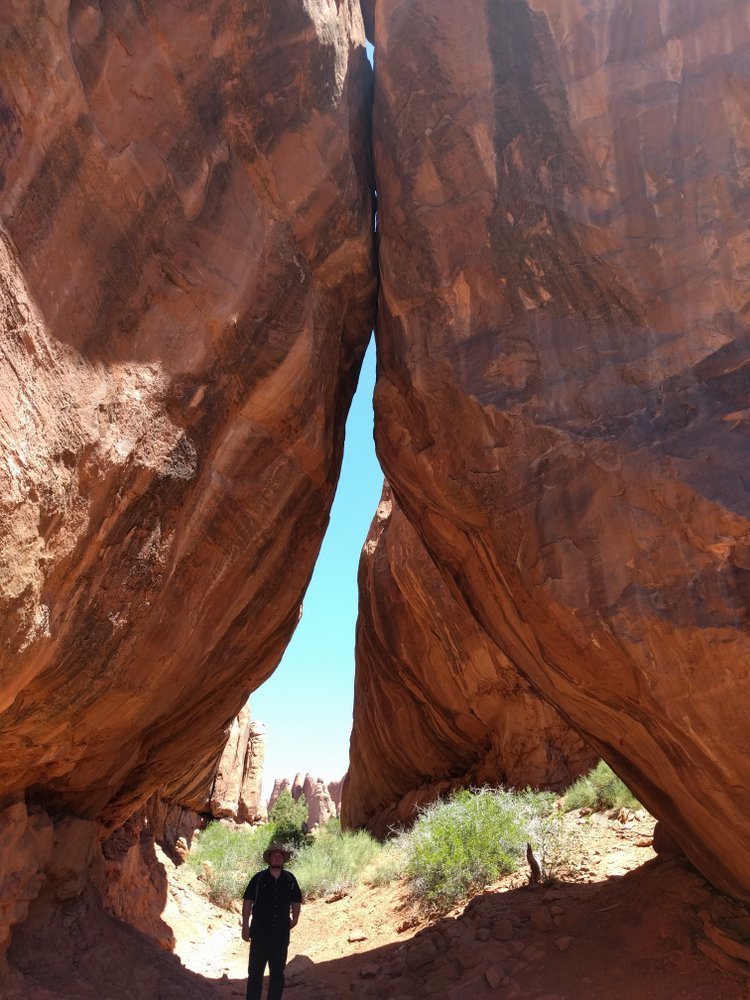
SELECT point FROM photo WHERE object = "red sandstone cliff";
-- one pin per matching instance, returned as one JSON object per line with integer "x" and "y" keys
{"x": 437, "y": 704}
{"x": 186, "y": 295}
{"x": 186, "y": 292}
{"x": 561, "y": 406}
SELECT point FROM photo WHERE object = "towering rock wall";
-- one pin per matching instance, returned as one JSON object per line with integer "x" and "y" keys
{"x": 186, "y": 292}
{"x": 437, "y": 704}
{"x": 561, "y": 405}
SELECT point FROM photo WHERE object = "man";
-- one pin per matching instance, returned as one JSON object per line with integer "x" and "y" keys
{"x": 273, "y": 899}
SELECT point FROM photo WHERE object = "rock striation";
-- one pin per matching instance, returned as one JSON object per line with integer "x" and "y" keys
{"x": 186, "y": 293}
{"x": 187, "y": 287}
{"x": 437, "y": 704}
{"x": 561, "y": 405}
{"x": 237, "y": 786}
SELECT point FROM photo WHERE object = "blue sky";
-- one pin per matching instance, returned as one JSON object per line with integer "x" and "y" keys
{"x": 307, "y": 703}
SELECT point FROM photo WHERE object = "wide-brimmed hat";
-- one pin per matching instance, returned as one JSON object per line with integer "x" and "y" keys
{"x": 275, "y": 846}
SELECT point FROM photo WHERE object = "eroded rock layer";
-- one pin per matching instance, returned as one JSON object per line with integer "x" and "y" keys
{"x": 186, "y": 292}
{"x": 237, "y": 785}
{"x": 437, "y": 704}
{"x": 562, "y": 404}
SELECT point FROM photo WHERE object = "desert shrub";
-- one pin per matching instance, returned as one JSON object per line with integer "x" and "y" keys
{"x": 556, "y": 844}
{"x": 288, "y": 819}
{"x": 288, "y": 812}
{"x": 233, "y": 856}
{"x": 600, "y": 789}
{"x": 391, "y": 862}
{"x": 462, "y": 844}
{"x": 333, "y": 861}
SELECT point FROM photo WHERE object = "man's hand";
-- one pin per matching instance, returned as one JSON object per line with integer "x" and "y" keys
{"x": 292, "y": 922}
{"x": 245, "y": 933}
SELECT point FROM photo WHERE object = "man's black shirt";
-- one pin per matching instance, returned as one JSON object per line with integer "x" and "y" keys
{"x": 272, "y": 898}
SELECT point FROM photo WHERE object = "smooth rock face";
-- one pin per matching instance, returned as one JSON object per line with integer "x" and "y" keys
{"x": 186, "y": 292}
{"x": 334, "y": 790}
{"x": 437, "y": 704}
{"x": 562, "y": 401}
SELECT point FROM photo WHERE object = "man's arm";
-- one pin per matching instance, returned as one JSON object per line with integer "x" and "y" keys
{"x": 296, "y": 902}
{"x": 247, "y": 909}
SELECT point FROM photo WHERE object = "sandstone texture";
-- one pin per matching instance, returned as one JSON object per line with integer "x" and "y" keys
{"x": 320, "y": 803}
{"x": 437, "y": 704}
{"x": 334, "y": 790}
{"x": 236, "y": 792}
{"x": 186, "y": 292}
{"x": 562, "y": 398}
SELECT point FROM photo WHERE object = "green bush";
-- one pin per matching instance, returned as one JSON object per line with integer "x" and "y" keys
{"x": 333, "y": 862}
{"x": 288, "y": 820}
{"x": 600, "y": 789}
{"x": 332, "y": 825}
{"x": 286, "y": 812}
{"x": 391, "y": 862}
{"x": 233, "y": 857}
{"x": 462, "y": 844}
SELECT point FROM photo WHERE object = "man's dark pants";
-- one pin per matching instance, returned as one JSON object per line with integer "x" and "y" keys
{"x": 273, "y": 953}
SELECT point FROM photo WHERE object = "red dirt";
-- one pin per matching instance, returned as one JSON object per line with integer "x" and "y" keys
{"x": 624, "y": 923}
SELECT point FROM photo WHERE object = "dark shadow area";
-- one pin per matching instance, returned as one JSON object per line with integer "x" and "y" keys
{"x": 638, "y": 935}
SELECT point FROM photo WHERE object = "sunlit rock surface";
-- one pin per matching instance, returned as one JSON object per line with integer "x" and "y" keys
{"x": 562, "y": 400}
{"x": 237, "y": 787}
{"x": 437, "y": 704}
{"x": 186, "y": 292}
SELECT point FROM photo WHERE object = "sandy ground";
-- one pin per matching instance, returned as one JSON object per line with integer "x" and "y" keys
{"x": 625, "y": 924}
{"x": 622, "y": 924}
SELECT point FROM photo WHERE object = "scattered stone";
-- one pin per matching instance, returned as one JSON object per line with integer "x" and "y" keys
{"x": 407, "y": 925}
{"x": 541, "y": 919}
{"x": 494, "y": 974}
{"x": 534, "y": 953}
{"x": 563, "y": 943}
{"x": 356, "y": 935}
{"x": 420, "y": 954}
{"x": 441, "y": 973}
{"x": 483, "y": 934}
{"x": 502, "y": 930}
{"x": 369, "y": 971}
{"x": 470, "y": 955}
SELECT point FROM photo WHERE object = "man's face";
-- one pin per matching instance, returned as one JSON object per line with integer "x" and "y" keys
{"x": 276, "y": 859}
